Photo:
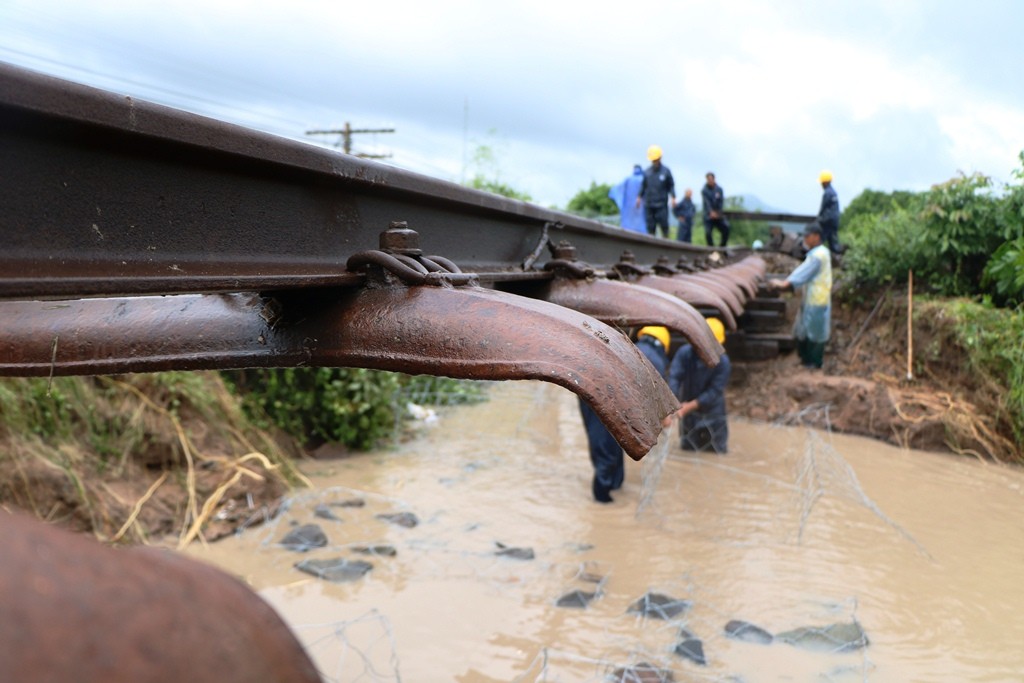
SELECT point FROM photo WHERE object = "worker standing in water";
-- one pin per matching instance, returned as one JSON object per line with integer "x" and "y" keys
{"x": 605, "y": 451}
{"x": 702, "y": 392}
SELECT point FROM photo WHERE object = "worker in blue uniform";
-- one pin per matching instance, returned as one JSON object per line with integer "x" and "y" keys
{"x": 828, "y": 213}
{"x": 605, "y": 452}
{"x": 701, "y": 389}
{"x": 657, "y": 188}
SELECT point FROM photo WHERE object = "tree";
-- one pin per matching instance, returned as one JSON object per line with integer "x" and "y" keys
{"x": 593, "y": 201}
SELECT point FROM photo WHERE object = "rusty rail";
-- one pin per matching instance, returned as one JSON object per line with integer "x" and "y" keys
{"x": 107, "y": 195}
{"x": 769, "y": 216}
{"x": 134, "y": 237}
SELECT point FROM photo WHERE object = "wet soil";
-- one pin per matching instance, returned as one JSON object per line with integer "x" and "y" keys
{"x": 866, "y": 388}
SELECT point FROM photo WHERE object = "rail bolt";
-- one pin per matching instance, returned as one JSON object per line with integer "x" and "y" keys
{"x": 565, "y": 250}
{"x": 400, "y": 239}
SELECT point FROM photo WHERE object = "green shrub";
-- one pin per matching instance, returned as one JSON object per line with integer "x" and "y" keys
{"x": 353, "y": 406}
{"x": 1004, "y": 274}
{"x": 348, "y": 405}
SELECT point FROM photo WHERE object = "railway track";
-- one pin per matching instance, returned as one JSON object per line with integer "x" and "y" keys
{"x": 139, "y": 238}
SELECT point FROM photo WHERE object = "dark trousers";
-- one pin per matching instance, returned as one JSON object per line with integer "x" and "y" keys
{"x": 657, "y": 216}
{"x": 605, "y": 455}
{"x": 710, "y": 225}
{"x": 812, "y": 354}
{"x": 685, "y": 230}
{"x": 830, "y": 238}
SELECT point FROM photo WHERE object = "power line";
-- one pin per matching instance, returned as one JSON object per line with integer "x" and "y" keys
{"x": 345, "y": 141}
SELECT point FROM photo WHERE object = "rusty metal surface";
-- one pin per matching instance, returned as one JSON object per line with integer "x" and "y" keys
{"x": 768, "y": 216}
{"x": 625, "y": 305}
{"x": 106, "y": 195}
{"x": 464, "y": 332}
{"x": 74, "y": 610}
{"x": 740, "y": 281}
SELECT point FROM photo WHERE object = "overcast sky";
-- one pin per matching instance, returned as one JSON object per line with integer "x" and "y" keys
{"x": 887, "y": 94}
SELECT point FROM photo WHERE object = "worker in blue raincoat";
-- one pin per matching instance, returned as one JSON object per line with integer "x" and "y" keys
{"x": 605, "y": 451}
{"x": 631, "y": 216}
{"x": 814, "y": 323}
{"x": 701, "y": 389}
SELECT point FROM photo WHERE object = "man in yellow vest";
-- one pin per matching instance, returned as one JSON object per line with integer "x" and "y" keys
{"x": 814, "y": 324}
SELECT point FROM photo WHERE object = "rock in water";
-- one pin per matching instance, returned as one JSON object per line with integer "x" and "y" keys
{"x": 831, "y": 638}
{"x": 515, "y": 553}
{"x": 747, "y": 632}
{"x": 658, "y": 606}
{"x": 406, "y": 519}
{"x": 642, "y": 673}
{"x": 690, "y": 647}
{"x": 351, "y": 503}
{"x": 325, "y": 512}
{"x": 379, "y": 550}
{"x": 305, "y": 537}
{"x": 576, "y": 598}
{"x": 337, "y": 569}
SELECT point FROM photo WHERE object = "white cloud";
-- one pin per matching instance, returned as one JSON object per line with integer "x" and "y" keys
{"x": 888, "y": 95}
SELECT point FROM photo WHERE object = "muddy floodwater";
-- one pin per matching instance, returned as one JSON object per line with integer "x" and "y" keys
{"x": 793, "y": 529}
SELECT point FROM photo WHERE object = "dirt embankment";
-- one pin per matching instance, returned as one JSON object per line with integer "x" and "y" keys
{"x": 864, "y": 387}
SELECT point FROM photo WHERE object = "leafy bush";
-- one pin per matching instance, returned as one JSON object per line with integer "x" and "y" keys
{"x": 353, "y": 406}
{"x": 961, "y": 228}
{"x": 946, "y": 235}
{"x": 875, "y": 203}
{"x": 348, "y": 405}
{"x": 593, "y": 201}
{"x": 1004, "y": 274}
{"x": 882, "y": 248}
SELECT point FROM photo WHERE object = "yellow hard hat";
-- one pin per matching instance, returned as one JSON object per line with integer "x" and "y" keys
{"x": 717, "y": 328}
{"x": 659, "y": 333}
{"x": 825, "y": 177}
{"x": 653, "y": 153}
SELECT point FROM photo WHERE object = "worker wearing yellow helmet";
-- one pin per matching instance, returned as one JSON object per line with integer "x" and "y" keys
{"x": 828, "y": 214}
{"x": 701, "y": 390}
{"x": 658, "y": 334}
{"x": 657, "y": 192}
{"x": 605, "y": 452}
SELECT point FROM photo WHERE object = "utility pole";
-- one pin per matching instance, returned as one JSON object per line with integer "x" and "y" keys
{"x": 345, "y": 141}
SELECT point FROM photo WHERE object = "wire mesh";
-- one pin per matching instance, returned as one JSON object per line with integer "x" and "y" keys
{"x": 516, "y": 559}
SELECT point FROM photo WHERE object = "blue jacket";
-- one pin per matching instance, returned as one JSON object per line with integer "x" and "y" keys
{"x": 713, "y": 198}
{"x": 689, "y": 378}
{"x": 685, "y": 210}
{"x": 657, "y": 186}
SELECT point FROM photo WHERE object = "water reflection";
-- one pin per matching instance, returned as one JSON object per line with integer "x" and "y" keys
{"x": 791, "y": 529}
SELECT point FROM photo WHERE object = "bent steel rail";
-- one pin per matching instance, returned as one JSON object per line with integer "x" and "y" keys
{"x": 110, "y": 196}
{"x": 135, "y": 237}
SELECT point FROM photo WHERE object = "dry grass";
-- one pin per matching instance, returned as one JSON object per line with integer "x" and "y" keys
{"x": 134, "y": 457}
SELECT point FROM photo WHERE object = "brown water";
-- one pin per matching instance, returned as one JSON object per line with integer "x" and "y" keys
{"x": 793, "y": 528}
